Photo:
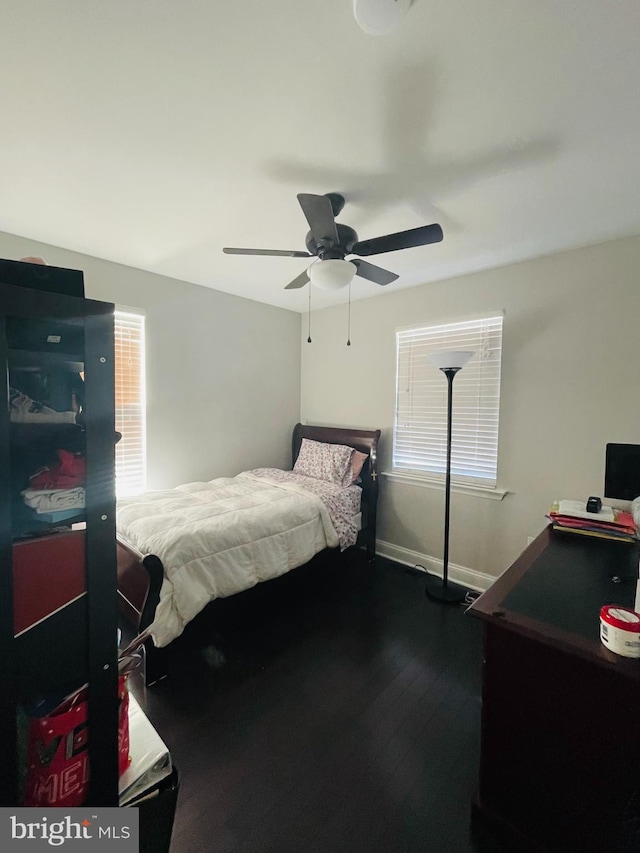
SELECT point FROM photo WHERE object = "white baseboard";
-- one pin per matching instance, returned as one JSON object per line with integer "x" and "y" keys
{"x": 460, "y": 575}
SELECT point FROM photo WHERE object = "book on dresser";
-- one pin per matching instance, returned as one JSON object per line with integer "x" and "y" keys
{"x": 608, "y": 523}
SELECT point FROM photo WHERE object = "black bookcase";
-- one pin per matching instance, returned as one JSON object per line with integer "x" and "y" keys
{"x": 58, "y": 599}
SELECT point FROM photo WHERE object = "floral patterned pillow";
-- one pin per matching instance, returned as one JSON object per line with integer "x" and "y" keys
{"x": 329, "y": 462}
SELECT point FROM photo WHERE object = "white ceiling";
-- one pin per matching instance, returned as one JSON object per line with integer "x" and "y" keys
{"x": 154, "y": 132}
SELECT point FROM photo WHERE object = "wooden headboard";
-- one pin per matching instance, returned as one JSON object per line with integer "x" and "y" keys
{"x": 364, "y": 440}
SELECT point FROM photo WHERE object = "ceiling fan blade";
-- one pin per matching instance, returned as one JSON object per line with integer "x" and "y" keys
{"x": 284, "y": 253}
{"x": 299, "y": 281}
{"x": 374, "y": 273}
{"x": 402, "y": 240}
{"x": 319, "y": 214}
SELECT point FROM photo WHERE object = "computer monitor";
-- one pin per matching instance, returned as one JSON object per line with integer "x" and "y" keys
{"x": 622, "y": 471}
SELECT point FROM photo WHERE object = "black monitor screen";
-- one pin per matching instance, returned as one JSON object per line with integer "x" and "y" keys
{"x": 622, "y": 471}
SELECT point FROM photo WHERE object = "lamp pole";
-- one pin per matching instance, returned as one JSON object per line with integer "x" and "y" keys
{"x": 441, "y": 591}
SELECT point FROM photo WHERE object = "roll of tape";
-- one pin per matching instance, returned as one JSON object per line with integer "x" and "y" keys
{"x": 620, "y": 630}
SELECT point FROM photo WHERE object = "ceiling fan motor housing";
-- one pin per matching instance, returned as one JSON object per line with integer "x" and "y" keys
{"x": 347, "y": 238}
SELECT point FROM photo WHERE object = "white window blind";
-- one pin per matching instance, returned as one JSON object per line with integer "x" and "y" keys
{"x": 130, "y": 403}
{"x": 420, "y": 433}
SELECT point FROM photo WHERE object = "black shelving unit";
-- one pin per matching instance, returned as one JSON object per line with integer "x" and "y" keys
{"x": 44, "y": 333}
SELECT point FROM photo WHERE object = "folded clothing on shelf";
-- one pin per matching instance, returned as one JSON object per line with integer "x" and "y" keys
{"x": 59, "y": 516}
{"x": 68, "y": 472}
{"x": 54, "y": 500}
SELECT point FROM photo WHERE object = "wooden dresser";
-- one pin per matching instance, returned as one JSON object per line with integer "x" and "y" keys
{"x": 560, "y": 734}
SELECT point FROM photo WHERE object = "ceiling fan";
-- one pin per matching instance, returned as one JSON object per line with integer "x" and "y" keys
{"x": 329, "y": 242}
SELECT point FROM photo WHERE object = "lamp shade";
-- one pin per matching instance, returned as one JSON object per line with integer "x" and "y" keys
{"x": 331, "y": 274}
{"x": 451, "y": 358}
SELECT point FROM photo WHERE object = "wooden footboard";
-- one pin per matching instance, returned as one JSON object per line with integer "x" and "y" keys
{"x": 133, "y": 584}
{"x": 139, "y": 582}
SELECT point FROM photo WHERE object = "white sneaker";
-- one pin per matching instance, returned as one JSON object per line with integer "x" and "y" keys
{"x": 24, "y": 410}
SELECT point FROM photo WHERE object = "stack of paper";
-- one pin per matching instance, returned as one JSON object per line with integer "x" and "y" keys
{"x": 609, "y": 523}
{"x": 150, "y": 758}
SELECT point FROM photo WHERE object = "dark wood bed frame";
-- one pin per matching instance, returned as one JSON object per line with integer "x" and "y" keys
{"x": 140, "y": 576}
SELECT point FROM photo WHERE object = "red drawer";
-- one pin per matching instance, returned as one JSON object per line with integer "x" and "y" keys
{"x": 48, "y": 573}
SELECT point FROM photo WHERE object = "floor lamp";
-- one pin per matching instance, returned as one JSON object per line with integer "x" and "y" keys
{"x": 449, "y": 362}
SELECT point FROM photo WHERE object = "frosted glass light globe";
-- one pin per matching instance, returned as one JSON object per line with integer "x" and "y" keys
{"x": 331, "y": 274}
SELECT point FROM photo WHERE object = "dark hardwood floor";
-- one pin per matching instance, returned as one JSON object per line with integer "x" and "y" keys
{"x": 334, "y": 709}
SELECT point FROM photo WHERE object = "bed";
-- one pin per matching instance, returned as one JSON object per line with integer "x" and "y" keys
{"x": 179, "y": 549}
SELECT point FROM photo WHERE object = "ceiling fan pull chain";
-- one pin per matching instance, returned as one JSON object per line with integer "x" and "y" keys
{"x": 349, "y": 319}
{"x": 309, "y": 338}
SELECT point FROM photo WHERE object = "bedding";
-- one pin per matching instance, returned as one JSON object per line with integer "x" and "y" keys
{"x": 217, "y": 538}
{"x": 143, "y": 578}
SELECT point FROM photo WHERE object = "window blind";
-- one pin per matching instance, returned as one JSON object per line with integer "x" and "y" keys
{"x": 420, "y": 432}
{"x": 130, "y": 403}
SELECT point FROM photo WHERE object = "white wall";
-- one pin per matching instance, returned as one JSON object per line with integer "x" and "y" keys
{"x": 569, "y": 386}
{"x": 223, "y": 373}
{"x": 224, "y": 378}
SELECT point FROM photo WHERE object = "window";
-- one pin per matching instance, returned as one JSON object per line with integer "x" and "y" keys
{"x": 420, "y": 432}
{"x": 130, "y": 403}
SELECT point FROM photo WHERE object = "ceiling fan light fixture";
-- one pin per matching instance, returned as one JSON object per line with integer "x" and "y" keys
{"x": 379, "y": 17}
{"x": 331, "y": 274}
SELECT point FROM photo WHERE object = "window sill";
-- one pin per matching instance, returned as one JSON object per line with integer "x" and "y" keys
{"x": 491, "y": 493}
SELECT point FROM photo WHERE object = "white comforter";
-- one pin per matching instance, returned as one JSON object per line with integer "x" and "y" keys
{"x": 221, "y": 537}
